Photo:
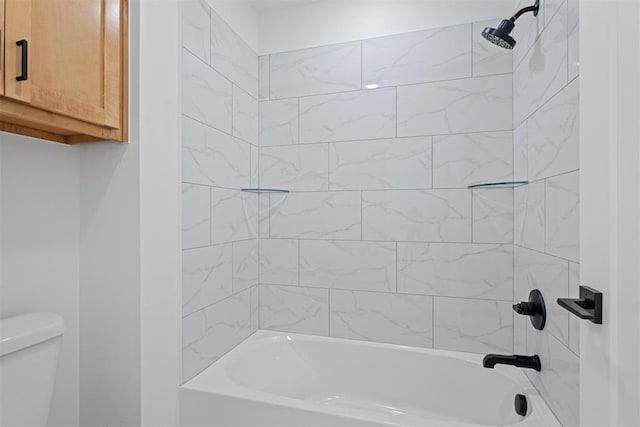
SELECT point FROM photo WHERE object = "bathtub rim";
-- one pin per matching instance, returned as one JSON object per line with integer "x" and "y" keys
{"x": 215, "y": 380}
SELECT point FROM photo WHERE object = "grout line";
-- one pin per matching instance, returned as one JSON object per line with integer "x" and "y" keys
{"x": 544, "y": 227}
{"x": 473, "y": 53}
{"x": 418, "y": 242}
{"x": 354, "y": 141}
{"x": 396, "y": 268}
{"x": 361, "y": 216}
{"x": 361, "y": 63}
{"x": 299, "y": 118}
{"x": 433, "y": 322}
{"x": 220, "y": 130}
{"x": 396, "y": 98}
{"x": 328, "y": 166}
{"x": 269, "y": 84}
{"x": 232, "y": 295}
{"x": 211, "y": 67}
{"x": 544, "y": 253}
{"x": 387, "y": 87}
{"x": 387, "y": 292}
{"x": 329, "y": 312}
{"x": 299, "y": 262}
{"x": 472, "y": 197}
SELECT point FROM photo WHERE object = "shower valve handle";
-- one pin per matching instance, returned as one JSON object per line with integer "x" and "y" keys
{"x": 534, "y": 308}
{"x": 525, "y": 308}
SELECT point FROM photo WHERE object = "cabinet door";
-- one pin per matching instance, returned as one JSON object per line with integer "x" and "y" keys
{"x": 64, "y": 56}
{"x": 2, "y": 34}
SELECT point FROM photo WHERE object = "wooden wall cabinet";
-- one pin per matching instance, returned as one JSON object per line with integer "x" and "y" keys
{"x": 64, "y": 69}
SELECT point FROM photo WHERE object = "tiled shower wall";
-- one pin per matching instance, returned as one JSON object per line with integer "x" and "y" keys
{"x": 219, "y": 155}
{"x": 546, "y": 152}
{"x": 379, "y": 238}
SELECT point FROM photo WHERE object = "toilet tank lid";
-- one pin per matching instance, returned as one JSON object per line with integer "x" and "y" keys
{"x": 25, "y": 330}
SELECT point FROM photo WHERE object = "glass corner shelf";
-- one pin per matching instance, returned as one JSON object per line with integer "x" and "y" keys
{"x": 503, "y": 184}
{"x": 263, "y": 190}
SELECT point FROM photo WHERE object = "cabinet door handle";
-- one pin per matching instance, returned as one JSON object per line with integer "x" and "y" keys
{"x": 25, "y": 60}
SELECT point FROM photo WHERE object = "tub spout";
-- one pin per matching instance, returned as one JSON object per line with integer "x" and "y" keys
{"x": 530, "y": 362}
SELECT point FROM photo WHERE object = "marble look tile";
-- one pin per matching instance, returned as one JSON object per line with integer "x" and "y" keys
{"x": 234, "y": 215}
{"x": 457, "y": 106}
{"x": 493, "y": 215}
{"x": 348, "y": 116}
{"x": 562, "y": 229}
{"x": 417, "y": 215}
{"x": 210, "y": 333}
{"x": 574, "y": 321}
{"x": 535, "y": 270}
{"x": 206, "y": 95}
{"x": 543, "y": 71}
{"x": 520, "y": 326}
{"x": 334, "y": 68}
{"x": 520, "y": 153}
{"x": 294, "y": 309}
{"x": 559, "y": 380}
{"x": 295, "y": 167}
{"x": 196, "y": 217}
{"x": 548, "y": 9}
{"x": 525, "y": 32}
{"x": 529, "y": 220}
{"x": 279, "y": 122}
{"x": 232, "y": 57}
{"x": 195, "y": 28}
{"x": 279, "y": 261}
{"x": 381, "y": 164}
{"x": 553, "y": 134}
{"x": 478, "y": 326}
{"x": 456, "y": 270}
{"x": 255, "y": 308}
{"x": 488, "y": 58}
{"x": 245, "y": 265}
{"x": 381, "y": 317}
{"x": 263, "y": 73}
{"x": 417, "y": 57}
{"x": 317, "y": 215}
{"x": 245, "y": 116}
{"x": 264, "y": 214}
{"x": 472, "y": 158}
{"x": 212, "y": 157}
{"x": 206, "y": 276}
{"x": 573, "y": 41}
{"x": 369, "y": 266}
{"x": 255, "y": 166}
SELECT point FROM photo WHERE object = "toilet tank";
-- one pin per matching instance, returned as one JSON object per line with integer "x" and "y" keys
{"x": 29, "y": 347}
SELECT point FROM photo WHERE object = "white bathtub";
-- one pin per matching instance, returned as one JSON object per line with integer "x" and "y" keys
{"x": 278, "y": 379}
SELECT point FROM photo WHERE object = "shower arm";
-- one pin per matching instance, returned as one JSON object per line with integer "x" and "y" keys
{"x": 524, "y": 10}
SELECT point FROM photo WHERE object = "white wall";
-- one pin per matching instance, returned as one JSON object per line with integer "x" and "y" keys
{"x": 335, "y": 21}
{"x": 109, "y": 294}
{"x": 130, "y": 265}
{"x": 92, "y": 232}
{"x": 39, "y": 188}
{"x": 158, "y": 45}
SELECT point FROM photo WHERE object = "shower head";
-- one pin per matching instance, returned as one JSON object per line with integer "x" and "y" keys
{"x": 501, "y": 36}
